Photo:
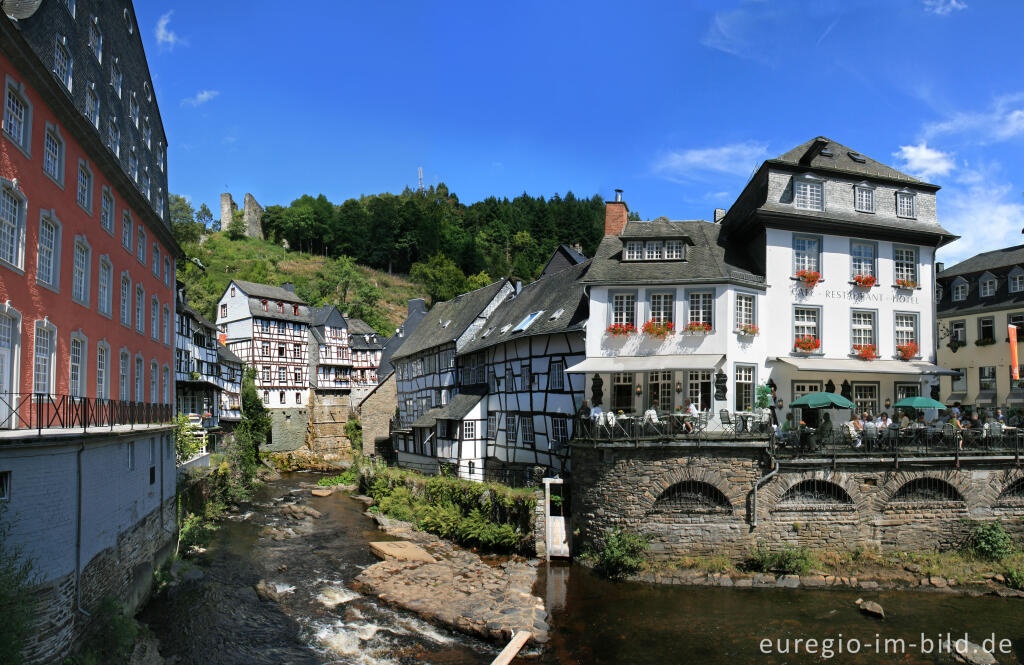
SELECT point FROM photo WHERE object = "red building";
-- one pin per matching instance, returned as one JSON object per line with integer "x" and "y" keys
{"x": 86, "y": 254}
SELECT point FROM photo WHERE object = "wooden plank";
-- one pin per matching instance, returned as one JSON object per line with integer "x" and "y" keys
{"x": 402, "y": 550}
{"x": 512, "y": 648}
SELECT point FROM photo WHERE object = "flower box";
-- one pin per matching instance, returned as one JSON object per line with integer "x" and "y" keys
{"x": 698, "y": 328}
{"x": 659, "y": 329}
{"x": 619, "y": 329}
{"x": 906, "y": 284}
{"x": 985, "y": 341}
{"x": 748, "y": 329}
{"x": 907, "y": 351}
{"x": 865, "y": 281}
{"x": 865, "y": 351}
{"x": 808, "y": 277}
{"x": 807, "y": 344}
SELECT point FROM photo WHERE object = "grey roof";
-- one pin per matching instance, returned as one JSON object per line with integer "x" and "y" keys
{"x": 706, "y": 259}
{"x": 560, "y": 290}
{"x": 999, "y": 263}
{"x": 870, "y": 225}
{"x": 417, "y": 311}
{"x": 808, "y": 154}
{"x": 578, "y": 257}
{"x": 202, "y": 320}
{"x": 328, "y": 314}
{"x": 255, "y": 290}
{"x": 359, "y": 327}
{"x": 456, "y": 409}
{"x": 459, "y": 313}
{"x": 256, "y": 309}
{"x": 225, "y": 354}
{"x": 997, "y": 258}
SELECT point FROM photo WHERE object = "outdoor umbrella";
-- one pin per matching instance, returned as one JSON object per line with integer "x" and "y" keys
{"x": 920, "y": 403}
{"x": 823, "y": 401}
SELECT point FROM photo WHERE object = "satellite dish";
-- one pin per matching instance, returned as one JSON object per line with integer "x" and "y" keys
{"x": 20, "y": 8}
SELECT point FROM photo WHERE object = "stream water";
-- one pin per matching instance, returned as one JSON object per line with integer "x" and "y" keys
{"x": 220, "y": 620}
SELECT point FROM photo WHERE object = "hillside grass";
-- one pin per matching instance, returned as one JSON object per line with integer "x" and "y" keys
{"x": 373, "y": 295}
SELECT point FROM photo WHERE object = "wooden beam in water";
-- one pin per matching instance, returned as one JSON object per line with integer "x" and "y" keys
{"x": 512, "y": 649}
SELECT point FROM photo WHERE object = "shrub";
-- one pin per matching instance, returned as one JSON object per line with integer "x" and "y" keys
{"x": 623, "y": 553}
{"x": 112, "y": 636}
{"x": 398, "y": 504}
{"x": 196, "y": 531}
{"x": 17, "y": 602}
{"x": 348, "y": 477}
{"x": 354, "y": 432}
{"x": 788, "y": 561}
{"x": 990, "y": 541}
{"x": 1015, "y": 578}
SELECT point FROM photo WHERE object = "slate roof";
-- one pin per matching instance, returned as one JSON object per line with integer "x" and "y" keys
{"x": 456, "y": 409}
{"x": 203, "y": 321}
{"x": 461, "y": 311}
{"x": 254, "y": 290}
{"x": 224, "y": 353}
{"x": 997, "y": 258}
{"x": 561, "y": 290}
{"x": 706, "y": 259}
{"x": 321, "y": 316}
{"x": 999, "y": 263}
{"x": 417, "y": 311}
{"x": 573, "y": 254}
{"x": 256, "y": 309}
{"x": 841, "y": 160}
{"x": 359, "y": 327}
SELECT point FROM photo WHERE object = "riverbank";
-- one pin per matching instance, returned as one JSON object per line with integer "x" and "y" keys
{"x": 484, "y": 596}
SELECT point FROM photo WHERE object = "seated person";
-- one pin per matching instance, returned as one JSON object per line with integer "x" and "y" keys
{"x": 857, "y": 423}
{"x": 596, "y": 412}
{"x": 691, "y": 408}
{"x": 904, "y": 420}
{"x": 999, "y": 416}
{"x": 651, "y": 414}
{"x": 883, "y": 421}
{"x": 920, "y": 422}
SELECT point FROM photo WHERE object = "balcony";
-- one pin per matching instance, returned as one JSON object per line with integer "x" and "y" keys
{"x": 671, "y": 429}
{"x": 43, "y": 411}
{"x": 994, "y": 441}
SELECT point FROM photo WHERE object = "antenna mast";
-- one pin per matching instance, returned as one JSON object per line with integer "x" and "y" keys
{"x": 420, "y": 169}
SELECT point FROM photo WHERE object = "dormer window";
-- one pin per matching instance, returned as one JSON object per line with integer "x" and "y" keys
{"x": 525, "y": 323}
{"x": 673, "y": 249}
{"x": 864, "y": 198}
{"x": 905, "y": 204}
{"x": 295, "y": 310}
{"x": 809, "y": 193}
{"x": 634, "y": 250}
{"x": 558, "y": 313}
{"x": 652, "y": 251}
{"x": 264, "y": 303}
{"x": 280, "y": 307}
{"x": 959, "y": 291}
{"x": 988, "y": 286}
{"x": 1016, "y": 280}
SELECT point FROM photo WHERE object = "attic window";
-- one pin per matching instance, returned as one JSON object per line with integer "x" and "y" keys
{"x": 557, "y": 314}
{"x": 295, "y": 309}
{"x": 280, "y": 307}
{"x": 264, "y": 305}
{"x": 504, "y": 328}
{"x": 673, "y": 249}
{"x": 487, "y": 332}
{"x": 857, "y": 157}
{"x": 446, "y": 323}
{"x": 825, "y": 152}
{"x": 525, "y": 323}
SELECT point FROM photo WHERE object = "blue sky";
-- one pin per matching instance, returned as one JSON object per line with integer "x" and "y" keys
{"x": 675, "y": 102}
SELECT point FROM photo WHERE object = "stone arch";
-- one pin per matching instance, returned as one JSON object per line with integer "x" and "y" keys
{"x": 1012, "y": 493}
{"x": 733, "y": 492}
{"x": 691, "y": 496}
{"x": 927, "y": 488}
{"x": 813, "y": 491}
{"x": 959, "y": 480}
{"x": 774, "y": 492}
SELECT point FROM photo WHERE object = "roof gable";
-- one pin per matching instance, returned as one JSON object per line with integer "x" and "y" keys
{"x": 824, "y": 153}
{"x": 254, "y": 290}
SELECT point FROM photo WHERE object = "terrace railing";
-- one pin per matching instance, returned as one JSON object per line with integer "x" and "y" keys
{"x": 39, "y": 411}
{"x": 668, "y": 428}
{"x": 907, "y": 442}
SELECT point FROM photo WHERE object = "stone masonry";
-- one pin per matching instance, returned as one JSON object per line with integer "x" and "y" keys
{"x": 253, "y": 216}
{"x": 227, "y": 210}
{"x": 375, "y": 413}
{"x": 651, "y": 490}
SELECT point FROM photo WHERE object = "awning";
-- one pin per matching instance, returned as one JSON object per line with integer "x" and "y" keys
{"x": 986, "y": 397}
{"x": 956, "y": 397}
{"x": 647, "y": 363}
{"x": 854, "y": 365}
{"x": 428, "y": 419}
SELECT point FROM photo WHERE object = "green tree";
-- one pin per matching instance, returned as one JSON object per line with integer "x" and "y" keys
{"x": 442, "y": 279}
{"x": 236, "y": 227}
{"x": 205, "y": 217}
{"x": 243, "y": 454}
{"x": 183, "y": 222}
{"x": 17, "y": 602}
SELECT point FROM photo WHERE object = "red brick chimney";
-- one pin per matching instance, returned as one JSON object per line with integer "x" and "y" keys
{"x": 616, "y": 213}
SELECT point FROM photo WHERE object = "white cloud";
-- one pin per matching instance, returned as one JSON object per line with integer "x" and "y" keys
{"x": 164, "y": 35}
{"x": 732, "y": 159}
{"x": 944, "y": 7}
{"x": 924, "y": 162}
{"x": 201, "y": 97}
{"x": 1003, "y": 120}
{"x": 985, "y": 213}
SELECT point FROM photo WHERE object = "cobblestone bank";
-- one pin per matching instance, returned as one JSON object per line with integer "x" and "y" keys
{"x": 489, "y": 598}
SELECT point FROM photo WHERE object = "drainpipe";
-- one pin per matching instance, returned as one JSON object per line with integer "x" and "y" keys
{"x": 761, "y": 481}
{"x": 78, "y": 533}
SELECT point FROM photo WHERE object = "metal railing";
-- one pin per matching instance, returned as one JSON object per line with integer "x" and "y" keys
{"x": 907, "y": 442}
{"x": 669, "y": 427}
{"x": 39, "y": 411}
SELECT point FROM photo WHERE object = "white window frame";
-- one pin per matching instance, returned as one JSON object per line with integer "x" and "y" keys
{"x": 468, "y": 430}
{"x": 154, "y": 381}
{"x": 704, "y": 311}
{"x": 653, "y": 250}
{"x": 864, "y": 197}
{"x": 858, "y": 259}
{"x": 662, "y": 306}
{"x": 154, "y": 318}
{"x": 140, "y": 245}
{"x": 107, "y": 207}
{"x": 804, "y": 324}
{"x": 84, "y": 186}
{"x": 960, "y": 291}
{"x": 987, "y": 287}
{"x": 105, "y": 287}
{"x": 140, "y": 378}
{"x": 167, "y": 325}
{"x": 102, "y": 370}
{"x": 900, "y": 265}
{"x": 20, "y": 132}
{"x": 906, "y": 204}
{"x": 140, "y": 308}
{"x": 77, "y": 384}
{"x": 905, "y": 328}
{"x": 53, "y": 161}
{"x": 804, "y": 258}
{"x": 125, "y": 308}
{"x": 116, "y": 77}
{"x": 12, "y": 232}
{"x": 81, "y": 271}
{"x": 60, "y": 48}
{"x": 675, "y": 250}
{"x": 92, "y": 105}
{"x": 624, "y": 313}
{"x": 634, "y": 250}
{"x": 858, "y": 326}
{"x": 556, "y": 375}
{"x": 114, "y": 136}
{"x": 1015, "y": 281}
{"x": 51, "y": 280}
{"x": 746, "y": 315}
{"x": 808, "y": 192}
{"x": 96, "y": 39}
{"x": 124, "y": 375}
{"x": 48, "y": 382}
{"x": 748, "y": 374}
{"x": 133, "y": 164}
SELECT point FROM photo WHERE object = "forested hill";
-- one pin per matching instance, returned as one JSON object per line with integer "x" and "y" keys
{"x": 355, "y": 255}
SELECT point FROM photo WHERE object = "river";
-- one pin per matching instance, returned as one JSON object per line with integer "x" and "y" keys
{"x": 220, "y": 620}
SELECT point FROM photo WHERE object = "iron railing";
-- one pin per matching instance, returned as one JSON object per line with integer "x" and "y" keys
{"x": 669, "y": 427}
{"x": 39, "y": 411}
{"x": 892, "y": 441}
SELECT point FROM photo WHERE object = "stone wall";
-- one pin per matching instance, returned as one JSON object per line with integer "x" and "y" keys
{"x": 253, "y": 216}
{"x": 326, "y": 437}
{"x": 375, "y": 412}
{"x": 227, "y": 210}
{"x": 691, "y": 500}
{"x": 288, "y": 428}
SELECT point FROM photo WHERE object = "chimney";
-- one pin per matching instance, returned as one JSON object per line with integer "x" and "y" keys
{"x": 616, "y": 213}
{"x": 719, "y": 215}
{"x": 939, "y": 265}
